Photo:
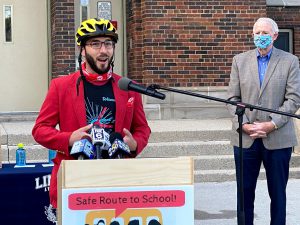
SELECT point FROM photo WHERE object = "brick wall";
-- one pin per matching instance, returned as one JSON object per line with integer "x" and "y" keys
{"x": 134, "y": 29}
{"x": 62, "y": 37}
{"x": 288, "y": 18}
{"x": 188, "y": 43}
{"x": 177, "y": 43}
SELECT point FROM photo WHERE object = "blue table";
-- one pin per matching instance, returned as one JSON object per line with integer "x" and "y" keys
{"x": 24, "y": 195}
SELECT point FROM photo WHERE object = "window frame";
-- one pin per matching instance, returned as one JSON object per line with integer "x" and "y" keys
{"x": 4, "y": 24}
{"x": 87, "y": 12}
{"x": 291, "y": 38}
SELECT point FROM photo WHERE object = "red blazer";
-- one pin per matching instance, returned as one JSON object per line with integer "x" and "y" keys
{"x": 64, "y": 112}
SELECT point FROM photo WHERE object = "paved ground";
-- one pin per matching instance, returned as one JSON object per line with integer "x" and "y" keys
{"x": 215, "y": 203}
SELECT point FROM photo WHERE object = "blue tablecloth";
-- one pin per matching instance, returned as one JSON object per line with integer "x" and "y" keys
{"x": 24, "y": 195}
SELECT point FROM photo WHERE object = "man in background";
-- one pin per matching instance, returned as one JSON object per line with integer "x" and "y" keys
{"x": 270, "y": 78}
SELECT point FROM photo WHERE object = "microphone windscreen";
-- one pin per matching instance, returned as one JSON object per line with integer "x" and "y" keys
{"x": 115, "y": 135}
{"x": 123, "y": 83}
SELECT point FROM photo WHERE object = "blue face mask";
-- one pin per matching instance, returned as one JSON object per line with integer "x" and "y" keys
{"x": 262, "y": 41}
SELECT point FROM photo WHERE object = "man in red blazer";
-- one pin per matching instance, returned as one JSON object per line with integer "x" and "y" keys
{"x": 90, "y": 96}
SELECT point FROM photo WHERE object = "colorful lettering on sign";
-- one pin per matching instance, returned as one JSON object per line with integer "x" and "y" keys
{"x": 120, "y": 201}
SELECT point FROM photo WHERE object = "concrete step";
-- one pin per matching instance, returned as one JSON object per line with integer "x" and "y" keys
{"x": 195, "y": 149}
{"x": 13, "y": 133}
{"x": 34, "y": 153}
{"x": 184, "y": 106}
{"x": 229, "y": 175}
{"x": 18, "y": 116}
{"x": 190, "y": 148}
{"x": 197, "y": 135}
{"x": 225, "y": 162}
{"x": 186, "y": 111}
{"x": 197, "y": 111}
{"x": 190, "y": 130}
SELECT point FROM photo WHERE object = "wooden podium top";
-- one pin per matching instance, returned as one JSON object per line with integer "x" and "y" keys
{"x": 126, "y": 172}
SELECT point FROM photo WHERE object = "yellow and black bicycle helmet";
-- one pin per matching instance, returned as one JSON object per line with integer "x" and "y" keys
{"x": 95, "y": 27}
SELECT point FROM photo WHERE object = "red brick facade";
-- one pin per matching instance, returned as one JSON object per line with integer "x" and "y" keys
{"x": 188, "y": 43}
{"x": 288, "y": 18}
{"x": 177, "y": 43}
{"x": 62, "y": 37}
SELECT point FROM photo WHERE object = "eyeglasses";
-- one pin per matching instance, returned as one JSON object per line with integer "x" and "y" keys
{"x": 108, "y": 44}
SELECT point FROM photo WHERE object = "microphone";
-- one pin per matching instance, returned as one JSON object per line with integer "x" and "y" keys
{"x": 100, "y": 139}
{"x": 82, "y": 149}
{"x": 154, "y": 222}
{"x": 118, "y": 148}
{"x": 126, "y": 84}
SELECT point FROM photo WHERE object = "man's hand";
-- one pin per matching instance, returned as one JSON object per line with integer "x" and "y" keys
{"x": 267, "y": 127}
{"x": 258, "y": 129}
{"x": 79, "y": 134}
{"x": 247, "y": 128}
{"x": 129, "y": 140}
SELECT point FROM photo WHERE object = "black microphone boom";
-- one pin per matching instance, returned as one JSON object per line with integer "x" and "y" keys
{"x": 126, "y": 84}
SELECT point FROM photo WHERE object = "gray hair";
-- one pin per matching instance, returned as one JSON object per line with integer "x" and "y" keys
{"x": 270, "y": 21}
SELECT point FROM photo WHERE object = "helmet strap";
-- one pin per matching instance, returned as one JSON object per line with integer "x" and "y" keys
{"x": 80, "y": 69}
{"x": 113, "y": 62}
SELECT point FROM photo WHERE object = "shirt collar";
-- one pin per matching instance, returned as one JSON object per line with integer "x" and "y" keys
{"x": 268, "y": 55}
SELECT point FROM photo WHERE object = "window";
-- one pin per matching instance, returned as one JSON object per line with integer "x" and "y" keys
{"x": 285, "y": 40}
{"x": 84, "y": 13}
{"x": 283, "y": 3}
{"x": 7, "y": 12}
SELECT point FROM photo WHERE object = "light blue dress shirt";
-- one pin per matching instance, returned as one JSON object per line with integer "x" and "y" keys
{"x": 263, "y": 64}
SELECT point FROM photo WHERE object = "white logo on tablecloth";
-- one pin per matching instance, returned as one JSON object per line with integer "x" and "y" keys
{"x": 43, "y": 182}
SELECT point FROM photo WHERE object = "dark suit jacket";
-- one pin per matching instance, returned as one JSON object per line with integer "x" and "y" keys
{"x": 64, "y": 112}
{"x": 280, "y": 90}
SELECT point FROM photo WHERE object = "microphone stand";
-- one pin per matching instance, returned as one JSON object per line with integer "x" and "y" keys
{"x": 98, "y": 151}
{"x": 240, "y": 111}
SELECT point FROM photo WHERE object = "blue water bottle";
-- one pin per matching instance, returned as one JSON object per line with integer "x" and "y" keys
{"x": 20, "y": 155}
{"x": 51, "y": 155}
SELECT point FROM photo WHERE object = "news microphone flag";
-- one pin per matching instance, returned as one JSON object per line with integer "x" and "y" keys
{"x": 82, "y": 149}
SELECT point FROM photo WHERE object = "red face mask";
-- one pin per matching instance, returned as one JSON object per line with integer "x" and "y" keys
{"x": 96, "y": 77}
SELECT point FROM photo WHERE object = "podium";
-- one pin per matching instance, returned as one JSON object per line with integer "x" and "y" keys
{"x": 139, "y": 191}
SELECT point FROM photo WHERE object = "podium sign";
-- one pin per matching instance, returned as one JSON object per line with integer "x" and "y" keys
{"x": 126, "y": 192}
